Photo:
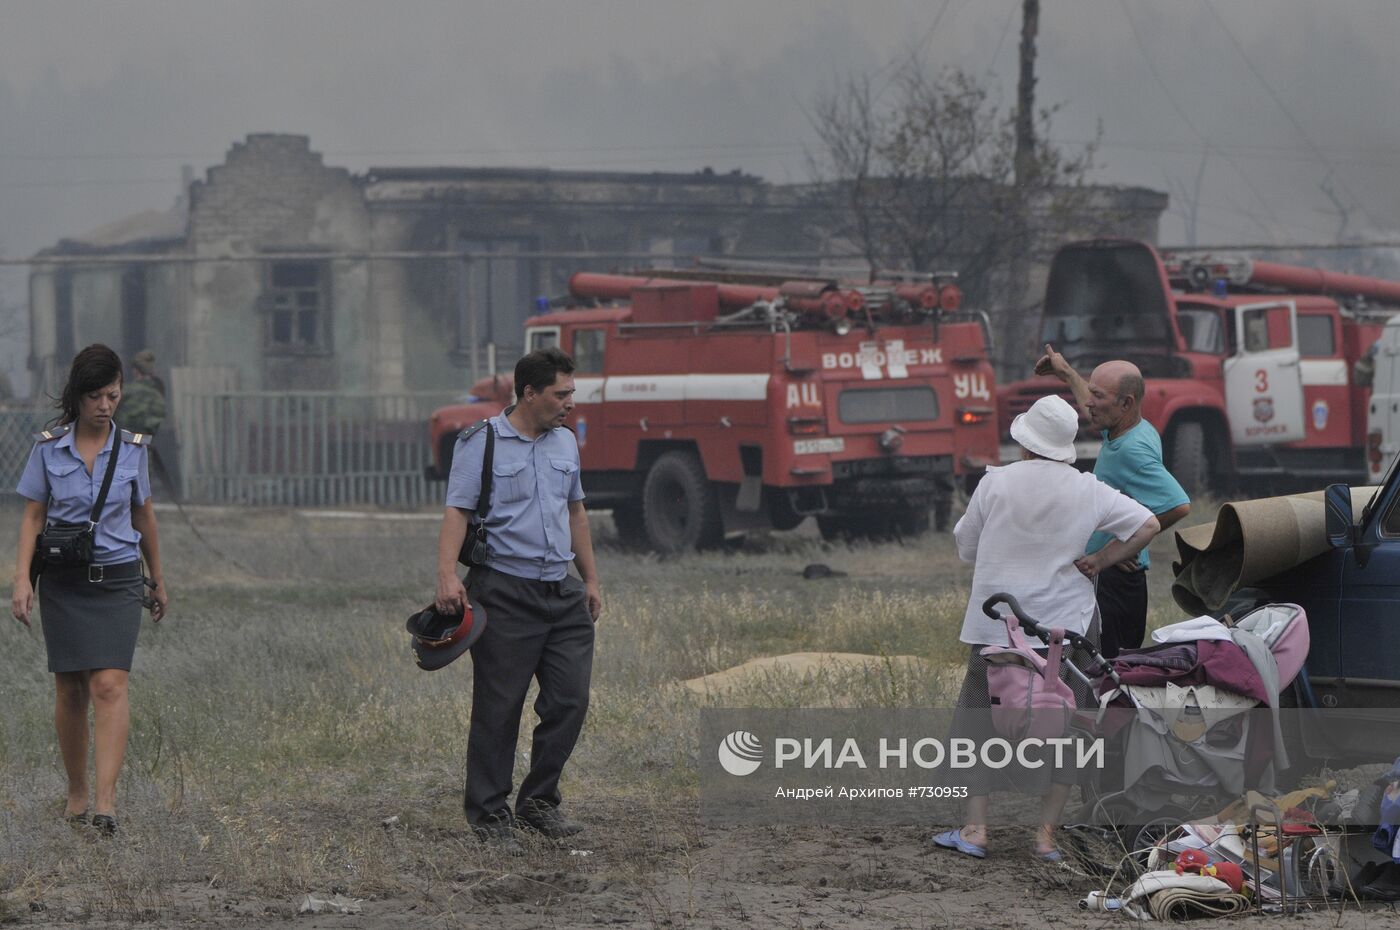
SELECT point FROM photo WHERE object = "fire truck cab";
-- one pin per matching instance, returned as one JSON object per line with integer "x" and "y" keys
{"x": 711, "y": 404}
{"x": 1253, "y": 370}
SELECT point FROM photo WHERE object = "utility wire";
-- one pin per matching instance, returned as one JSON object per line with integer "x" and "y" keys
{"x": 1171, "y": 98}
{"x": 1001, "y": 39}
{"x": 917, "y": 48}
{"x": 1288, "y": 114}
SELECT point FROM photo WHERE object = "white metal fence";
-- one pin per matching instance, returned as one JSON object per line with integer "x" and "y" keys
{"x": 307, "y": 448}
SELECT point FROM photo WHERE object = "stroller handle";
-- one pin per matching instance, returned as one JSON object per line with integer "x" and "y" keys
{"x": 989, "y": 607}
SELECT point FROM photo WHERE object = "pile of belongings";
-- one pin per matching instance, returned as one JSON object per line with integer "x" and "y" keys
{"x": 1186, "y": 890}
{"x": 1220, "y": 867}
{"x": 1197, "y": 674}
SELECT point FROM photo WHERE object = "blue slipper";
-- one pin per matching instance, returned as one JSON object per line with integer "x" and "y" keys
{"x": 952, "y": 839}
{"x": 1050, "y": 855}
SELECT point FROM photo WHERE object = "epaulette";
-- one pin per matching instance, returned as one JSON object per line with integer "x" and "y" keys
{"x": 136, "y": 439}
{"x": 472, "y": 430}
{"x": 57, "y": 432}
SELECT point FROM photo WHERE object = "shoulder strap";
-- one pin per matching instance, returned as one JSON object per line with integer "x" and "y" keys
{"x": 136, "y": 439}
{"x": 472, "y": 430}
{"x": 53, "y": 433}
{"x": 483, "y": 501}
{"x": 96, "y": 514}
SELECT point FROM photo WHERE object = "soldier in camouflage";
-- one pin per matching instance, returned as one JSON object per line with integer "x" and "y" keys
{"x": 143, "y": 397}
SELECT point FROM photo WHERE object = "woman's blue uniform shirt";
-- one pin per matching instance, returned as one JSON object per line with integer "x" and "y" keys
{"x": 55, "y": 474}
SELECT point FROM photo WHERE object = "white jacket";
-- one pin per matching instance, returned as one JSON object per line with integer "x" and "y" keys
{"x": 1025, "y": 525}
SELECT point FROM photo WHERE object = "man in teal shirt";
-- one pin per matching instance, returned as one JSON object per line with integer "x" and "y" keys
{"x": 1130, "y": 460}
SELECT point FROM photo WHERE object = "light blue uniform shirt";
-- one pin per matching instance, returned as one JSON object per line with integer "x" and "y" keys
{"x": 56, "y": 475}
{"x": 532, "y": 484}
{"x": 1132, "y": 463}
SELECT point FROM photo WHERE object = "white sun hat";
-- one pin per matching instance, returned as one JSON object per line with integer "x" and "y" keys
{"x": 1048, "y": 429}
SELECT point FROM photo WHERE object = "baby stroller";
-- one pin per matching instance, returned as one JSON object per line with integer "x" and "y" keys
{"x": 1188, "y": 724}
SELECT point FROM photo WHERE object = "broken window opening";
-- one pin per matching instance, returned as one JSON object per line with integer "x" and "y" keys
{"x": 296, "y": 299}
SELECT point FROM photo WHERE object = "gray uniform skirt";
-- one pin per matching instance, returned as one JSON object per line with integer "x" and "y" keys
{"x": 90, "y": 624}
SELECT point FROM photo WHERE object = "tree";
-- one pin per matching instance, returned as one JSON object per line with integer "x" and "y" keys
{"x": 922, "y": 175}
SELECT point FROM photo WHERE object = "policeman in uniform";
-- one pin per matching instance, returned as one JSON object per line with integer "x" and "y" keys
{"x": 539, "y": 619}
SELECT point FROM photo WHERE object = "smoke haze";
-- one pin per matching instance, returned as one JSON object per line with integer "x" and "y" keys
{"x": 102, "y": 104}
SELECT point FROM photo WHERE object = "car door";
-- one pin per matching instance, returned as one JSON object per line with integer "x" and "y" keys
{"x": 1362, "y": 705}
{"x": 1370, "y": 604}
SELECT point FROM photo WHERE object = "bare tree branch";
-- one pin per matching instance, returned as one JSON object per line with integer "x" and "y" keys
{"x": 922, "y": 175}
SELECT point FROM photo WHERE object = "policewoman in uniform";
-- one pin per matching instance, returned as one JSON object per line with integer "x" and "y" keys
{"x": 90, "y": 612}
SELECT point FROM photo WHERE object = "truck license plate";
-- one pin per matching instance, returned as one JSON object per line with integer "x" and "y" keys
{"x": 815, "y": 446}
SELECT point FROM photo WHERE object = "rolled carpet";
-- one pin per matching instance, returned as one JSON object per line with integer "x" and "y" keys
{"x": 1249, "y": 542}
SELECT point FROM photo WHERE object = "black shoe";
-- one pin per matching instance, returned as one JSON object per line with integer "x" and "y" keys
{"x": 546, "y": 820}
{"x": 499, "y": 834}
{"x": 1385, "y": 886}
{"x": 105, "y": 824}
{"x": 76, "y": 820}
{"x": 1368, "y": 873}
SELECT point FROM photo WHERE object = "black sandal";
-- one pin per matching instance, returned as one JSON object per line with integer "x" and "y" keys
{"x": 105, "y": 824}
{"x": 77, "y": 820}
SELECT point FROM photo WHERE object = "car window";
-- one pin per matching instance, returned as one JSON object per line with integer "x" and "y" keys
{"x": 1316, "y": 336}
{"x": 1390, "y": 523}
{"x": 588, "y": 351}
{"x": 1202, "y": 331}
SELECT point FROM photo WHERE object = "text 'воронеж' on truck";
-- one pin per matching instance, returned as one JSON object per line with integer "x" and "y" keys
{"x": 710, "y": 403}
{"x": 1256, "y": 373}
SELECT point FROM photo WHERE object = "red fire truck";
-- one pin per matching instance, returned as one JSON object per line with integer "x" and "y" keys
{"x": 1254, "y": 370}
{"x": 708, "y": 404}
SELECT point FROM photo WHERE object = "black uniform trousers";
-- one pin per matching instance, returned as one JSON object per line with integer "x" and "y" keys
{"x": 534, "y": 629}
{"x": 1122, "y": 600}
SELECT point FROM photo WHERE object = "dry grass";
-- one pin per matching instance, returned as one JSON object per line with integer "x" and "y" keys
{"x": 279, "y": 725}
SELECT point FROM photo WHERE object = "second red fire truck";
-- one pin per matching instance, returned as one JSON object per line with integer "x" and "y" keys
{"x": 1256, "y": 372}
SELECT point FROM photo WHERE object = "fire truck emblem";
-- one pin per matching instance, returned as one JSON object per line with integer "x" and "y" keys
{"x": 1263, "y": 409}
{"x": 1319, "y": 413}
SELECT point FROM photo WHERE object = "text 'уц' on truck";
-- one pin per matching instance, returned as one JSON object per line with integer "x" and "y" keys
{"x": 711, "y": 403}
{"x": 1255, "y": 372}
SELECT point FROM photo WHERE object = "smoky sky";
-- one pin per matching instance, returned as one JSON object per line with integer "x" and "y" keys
{"x": 102, "y": 104}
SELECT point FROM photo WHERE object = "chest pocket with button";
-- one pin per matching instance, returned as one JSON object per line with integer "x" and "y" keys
{"x": 509, "y": 482}
{"x": 67, "y": 479}
{"x": 123, "y": 483}
{"x": 561, "y": 475}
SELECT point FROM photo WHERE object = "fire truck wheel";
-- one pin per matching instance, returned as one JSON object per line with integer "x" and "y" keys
{"x": 679, "y": 509}
{"x": 909, "y": 525}
{"x": 1190, "y": 462}
{"x": 942, "y": 513}
{"x": 631, "y": 531}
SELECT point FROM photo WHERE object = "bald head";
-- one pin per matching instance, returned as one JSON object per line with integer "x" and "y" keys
{"x": 1119, "y": 377}
{"x": 1115, "y": 397}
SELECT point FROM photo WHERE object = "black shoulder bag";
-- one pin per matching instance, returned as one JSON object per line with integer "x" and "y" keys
{"x": 474, "y": 549}
{"x": 63, "y": 543}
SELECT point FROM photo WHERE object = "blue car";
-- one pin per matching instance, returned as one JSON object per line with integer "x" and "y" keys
{"x": 1352, "y": 597}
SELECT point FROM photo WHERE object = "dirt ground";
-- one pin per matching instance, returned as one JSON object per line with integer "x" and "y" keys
{"x": 632, "y": 870}
{"x": 283, "y": 745}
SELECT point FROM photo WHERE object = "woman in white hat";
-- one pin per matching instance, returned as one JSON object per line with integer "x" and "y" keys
{"x": 1025, "y": 530}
